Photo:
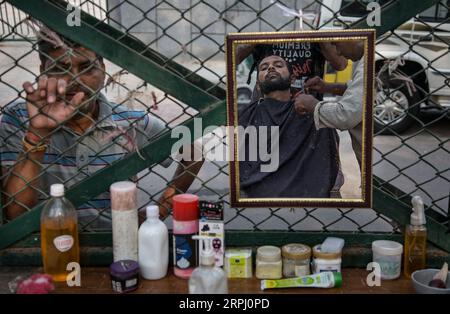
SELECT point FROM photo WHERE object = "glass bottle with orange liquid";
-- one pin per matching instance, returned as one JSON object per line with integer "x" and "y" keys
{"x": 59, "y": 234}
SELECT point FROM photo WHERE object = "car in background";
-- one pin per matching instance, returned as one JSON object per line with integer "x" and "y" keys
{"x": 418, "y": 50}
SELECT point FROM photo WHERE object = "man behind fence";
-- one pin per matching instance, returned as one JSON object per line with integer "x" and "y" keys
{"x": 66, "y": 130}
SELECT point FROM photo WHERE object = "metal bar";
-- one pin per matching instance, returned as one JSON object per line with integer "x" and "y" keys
{"x": 242, "y": 238}
{"x": 354, "y": 255}
{"x": 395, "y": 14}
{"x": 387, "y": 205}
{"x": 118, "y": 48}
{"x": 154, "y": 152}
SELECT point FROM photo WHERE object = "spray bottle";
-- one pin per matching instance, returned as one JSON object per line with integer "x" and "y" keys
{"x": 415, "y": 239}
{"x": 207, "y": 278}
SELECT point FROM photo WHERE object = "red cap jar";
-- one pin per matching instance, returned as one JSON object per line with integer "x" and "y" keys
{"x": 185, "y": 207}
{"x": 185, "y": 225}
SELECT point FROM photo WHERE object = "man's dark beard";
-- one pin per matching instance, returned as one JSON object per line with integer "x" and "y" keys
{"x": 268, "y": 86}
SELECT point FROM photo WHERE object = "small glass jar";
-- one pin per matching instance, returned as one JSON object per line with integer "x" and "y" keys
{"x": 326, "y": 261}
{"x": 268, "y": 262}
{"x": 296, "y": 260}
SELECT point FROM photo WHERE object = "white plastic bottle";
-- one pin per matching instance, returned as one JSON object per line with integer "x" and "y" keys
{"x": 207, "y": 278}
{"x": 153, "y": 245}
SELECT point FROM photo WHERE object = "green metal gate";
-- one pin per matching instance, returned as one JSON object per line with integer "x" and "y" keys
{"x": 166, "y": 58}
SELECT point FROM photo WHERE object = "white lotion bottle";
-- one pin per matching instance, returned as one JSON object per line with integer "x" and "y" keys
{"x": 207, "y": 278}
{"x": 153, "y": 246}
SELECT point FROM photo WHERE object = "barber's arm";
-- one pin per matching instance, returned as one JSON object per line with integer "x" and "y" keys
{"x": 338, "y": 62}
{"x": 318, "y": 85}
{"x": 184, "y": 175}
{"x": 243, "y": 51}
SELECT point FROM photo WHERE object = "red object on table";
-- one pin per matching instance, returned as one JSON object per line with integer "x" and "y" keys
{"x": 36, "y": 284}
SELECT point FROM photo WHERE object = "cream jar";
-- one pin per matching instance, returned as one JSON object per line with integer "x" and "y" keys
{"x": 296, "y": 260}
{"x": 268, "y": 262}
{"x": 326, "y": 261}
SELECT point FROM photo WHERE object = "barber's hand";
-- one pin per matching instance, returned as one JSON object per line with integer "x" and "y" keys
{"x": 45, "y": 105}
{"x": 315, "y": 84}
{"x": 305, "y": 104}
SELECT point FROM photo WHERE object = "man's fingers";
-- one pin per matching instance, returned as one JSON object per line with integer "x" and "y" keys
{"x": 42, "y": 85}
{"x": 28, "y": 87}
{"x": 313, "y": 81}
{"x": 76, "y": 100}
{"x": 62, "y": 84}
{"x": 51, "y": 90}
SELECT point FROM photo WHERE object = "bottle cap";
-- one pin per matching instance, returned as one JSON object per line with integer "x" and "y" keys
{"x": 57, "y": 190}
{"x": 296, "y": 251}
{"x": 387, "y": 247}
{"x": 123, "y": 195}
{"x": 152, "y": 211}
{"x": 207, "y": 257}
{"x": 185, "y": 207}
{"x": 337, "y": 279}
{"x": 332, "y": 245}
{"x": 268, "y": 253}
{"x": 418, "y": 214}
{"x": 317, "y": 253}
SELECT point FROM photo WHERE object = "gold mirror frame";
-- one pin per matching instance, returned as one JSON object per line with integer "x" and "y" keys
{"x": 234, "y": 39}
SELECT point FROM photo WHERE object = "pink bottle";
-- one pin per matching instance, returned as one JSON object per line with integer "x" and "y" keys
{"x": 185, "y": 225}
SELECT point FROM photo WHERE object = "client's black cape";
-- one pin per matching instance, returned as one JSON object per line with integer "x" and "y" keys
{"x": 308, "y": 158}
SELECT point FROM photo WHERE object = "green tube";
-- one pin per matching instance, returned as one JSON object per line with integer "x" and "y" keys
{"x": 327, "y": 279}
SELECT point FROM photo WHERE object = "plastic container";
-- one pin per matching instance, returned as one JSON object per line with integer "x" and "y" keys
{"x": 388, "y": 254}
{"x": 124, "y": 220}
{"x": 185, "y": 225}
{"x": 326, "y": 261}
{"x": 124, "y": 276}
{"x": 153, "y": 246}
{"x": 296, "y": 260}
{"x": 59, "y": 234}
{"x": 238, "y": 263}
{"x": 268, "y": 262}
{"x": 207, "y": 278}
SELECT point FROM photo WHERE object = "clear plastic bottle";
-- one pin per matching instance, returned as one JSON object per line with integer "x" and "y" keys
{"x": 153, "y": 249}
{"x": 207, "y": 278}
{"x": 415, "y": 239}
{"x": 59, "y": 234}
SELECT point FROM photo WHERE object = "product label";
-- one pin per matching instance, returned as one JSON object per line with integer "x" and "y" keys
{"x": 131, "y": 283}
{"x": 237, "y": 267}
{"x": 63, "y": 243}
{"x": 389, "y": 269}
{"x": 301, "y": 270}
{"x": 216, "y": 231}
{"x": 185, "y": 249}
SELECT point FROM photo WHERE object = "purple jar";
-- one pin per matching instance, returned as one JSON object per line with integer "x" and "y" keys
{"x": 124, "y": 276}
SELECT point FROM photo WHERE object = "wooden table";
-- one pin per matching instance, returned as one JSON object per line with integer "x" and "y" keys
{"x": 96, "y": 280}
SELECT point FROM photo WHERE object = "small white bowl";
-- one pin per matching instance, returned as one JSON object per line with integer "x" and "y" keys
{"x": 421, "y": 279}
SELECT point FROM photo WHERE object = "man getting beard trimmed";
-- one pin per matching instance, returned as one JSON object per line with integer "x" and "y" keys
{"x": 308, "y": 162}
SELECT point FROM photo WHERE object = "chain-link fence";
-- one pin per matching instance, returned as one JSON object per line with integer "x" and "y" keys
{"x": 411, "y": 145}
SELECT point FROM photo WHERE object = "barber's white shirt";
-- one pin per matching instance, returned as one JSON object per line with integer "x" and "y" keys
{"x": 345, "y": 113}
